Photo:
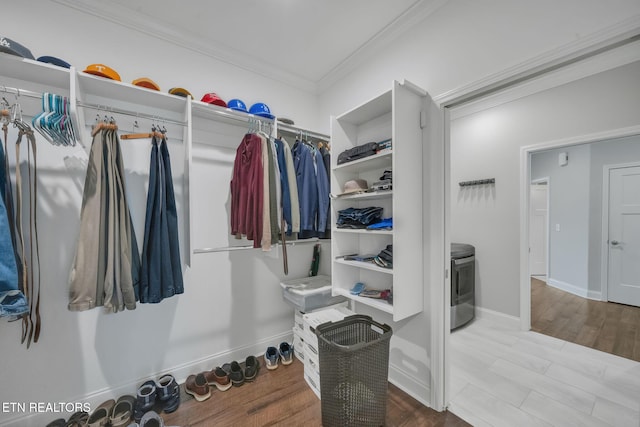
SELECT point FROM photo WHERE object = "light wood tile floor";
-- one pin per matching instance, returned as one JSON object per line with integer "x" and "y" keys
{"x": 506, "y": 377}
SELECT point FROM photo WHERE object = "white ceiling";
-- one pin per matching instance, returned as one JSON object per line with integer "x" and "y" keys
{"x": 299, "y": 42}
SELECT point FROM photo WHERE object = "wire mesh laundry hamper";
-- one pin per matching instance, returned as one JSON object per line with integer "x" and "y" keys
{"x": 354, "y": 367}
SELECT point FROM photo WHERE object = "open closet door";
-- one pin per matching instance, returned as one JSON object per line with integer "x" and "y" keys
{"x": 413, "y": 105}
{"x": 437, "y": 243}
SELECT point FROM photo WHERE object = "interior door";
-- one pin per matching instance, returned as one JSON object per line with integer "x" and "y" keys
{"x": 538, "y": 233}
{"x": 624, "y": 236}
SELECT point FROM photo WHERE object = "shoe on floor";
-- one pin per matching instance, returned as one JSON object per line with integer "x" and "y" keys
{"x": 122, "y": 413}
{"x": 271, "y": 358}
{"x": 78, "y": 419}
{"x": 60, "y": 422}
{"x": 168, "y": 391}
{"x": 145, "y": 399}
{"x": 197, "y": 386}
{"x": 251, "y": 368}
{"x": 286, "y": 353}
{"x": 151, "y": 419}
{"x": 100, "y": 416}
{"x": 219, "y": 377}
{"x": 236, "y": 375}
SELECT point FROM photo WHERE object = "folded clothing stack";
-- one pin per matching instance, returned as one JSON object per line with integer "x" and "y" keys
{"x": 359, "y": 217}
{"x": 384, "y": 224}
{"x": 385, "y": 258}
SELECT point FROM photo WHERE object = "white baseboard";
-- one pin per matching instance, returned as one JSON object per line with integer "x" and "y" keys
{"x": 410, "y": 385}
{"x": 506, "y": 320}
{"x": 595, "y": 295}
{"x": 575, "y": 290}
{"x": 180, "y": 373}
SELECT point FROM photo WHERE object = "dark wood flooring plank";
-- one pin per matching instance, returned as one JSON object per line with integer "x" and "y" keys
{"x": 282, "y": 398}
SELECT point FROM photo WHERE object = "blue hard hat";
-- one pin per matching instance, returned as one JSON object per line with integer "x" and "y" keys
{"x": 261, "y": 109}
{"x": 237, "y": 105}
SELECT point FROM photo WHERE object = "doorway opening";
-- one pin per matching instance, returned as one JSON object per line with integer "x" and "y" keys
{"x": 592, "y": 320}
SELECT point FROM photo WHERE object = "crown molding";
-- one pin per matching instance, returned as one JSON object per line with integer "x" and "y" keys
{"x": 608, "y": 39}
{"x": 602, "y": 62}
{"x": 164, "y": 31}
{"x": 414, "y": 15}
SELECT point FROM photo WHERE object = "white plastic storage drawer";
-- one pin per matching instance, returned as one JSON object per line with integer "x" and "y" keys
{"x": 312, "y": 320}
{"x": 298, "y": 344}
{"x": 313, "y": 379}
{"x": 309, "y": 293}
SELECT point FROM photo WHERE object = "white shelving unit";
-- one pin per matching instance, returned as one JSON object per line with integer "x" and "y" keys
{"x": 399, "y": 114}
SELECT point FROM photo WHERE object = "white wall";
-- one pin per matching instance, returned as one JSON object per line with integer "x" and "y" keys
{"x": 47, "y": 28}
{"x": 569, "y": 201}
{"x": 232, "y": 305}
{"x": 488, "y": 144}
{"x": 465, "y": 40}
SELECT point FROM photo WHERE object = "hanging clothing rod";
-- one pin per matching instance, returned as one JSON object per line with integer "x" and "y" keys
{"x": 21, "y": 92}
{"x": 130, "y": 113}
{"x": 247, "y": 247}
{"x": 296, "y": 130}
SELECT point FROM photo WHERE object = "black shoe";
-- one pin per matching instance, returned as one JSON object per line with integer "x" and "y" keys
{"x": 168, "y": 392}
{"x": 236, "y": 375}
{"x": 251, "y": 368}
{"x": 145, "y": 399}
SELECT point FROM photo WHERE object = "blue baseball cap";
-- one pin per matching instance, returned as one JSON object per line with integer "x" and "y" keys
{"x": 14, "y": 48}
{"x": 237, "y": 105}
{"x": 261, "y": 109}
{"x": 55, "y": 61}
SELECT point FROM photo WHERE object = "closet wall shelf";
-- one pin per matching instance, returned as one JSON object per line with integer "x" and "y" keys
{"x": 209, "y": 111}
{"x": 96, "y": 90}
{"x": 374, "y": 195}
{"x": 378, "y": 161}
{"x": 46, "y": 75}
{"x": 378, "y": 106}
{"x": 362, "y": 231}
{"x": 379, "y": 304}
{"x": 249, "y": 247}
{"x": 364, "y": 265}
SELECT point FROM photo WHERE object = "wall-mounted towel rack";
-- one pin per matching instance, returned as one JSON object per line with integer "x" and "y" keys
{"x": 477, "y": 182}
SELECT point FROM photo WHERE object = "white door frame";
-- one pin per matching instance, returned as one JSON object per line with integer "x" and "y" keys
{"x": 604, "y": 251}
{"x": 525, "y": 179}
{"x": 547, "y": 181}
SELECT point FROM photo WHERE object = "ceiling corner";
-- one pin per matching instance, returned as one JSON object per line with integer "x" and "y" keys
{"x": 414, "y": 15}
{"x": 136, "y": 21}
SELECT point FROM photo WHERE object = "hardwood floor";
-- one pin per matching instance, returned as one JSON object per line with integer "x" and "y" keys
{"x": 282, "y": 398}
{"x": 605, "y": 326}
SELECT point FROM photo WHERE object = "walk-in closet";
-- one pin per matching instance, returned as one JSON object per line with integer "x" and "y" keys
{"x": 220, "y": 214}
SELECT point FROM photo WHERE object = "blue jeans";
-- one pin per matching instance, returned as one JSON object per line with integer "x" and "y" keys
{"x": 364, "y": 216}
{"x": 12, "y": 301}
